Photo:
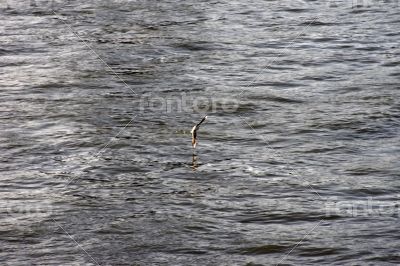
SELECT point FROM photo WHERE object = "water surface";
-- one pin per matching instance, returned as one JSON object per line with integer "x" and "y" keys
{"x": 87, "y": 155}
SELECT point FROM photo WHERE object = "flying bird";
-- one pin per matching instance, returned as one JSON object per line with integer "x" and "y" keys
{"x": 194, "y": 132}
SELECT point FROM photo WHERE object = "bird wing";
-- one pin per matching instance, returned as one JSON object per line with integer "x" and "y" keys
{"x": 202, "y": 120}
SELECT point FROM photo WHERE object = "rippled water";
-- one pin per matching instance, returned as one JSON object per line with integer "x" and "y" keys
{"x": 298, "y": 163}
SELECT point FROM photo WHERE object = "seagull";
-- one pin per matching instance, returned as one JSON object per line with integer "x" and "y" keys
{"x": 194, "y": 132}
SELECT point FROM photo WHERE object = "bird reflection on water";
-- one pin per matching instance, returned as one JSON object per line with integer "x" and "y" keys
{"x": 195, "y": 165}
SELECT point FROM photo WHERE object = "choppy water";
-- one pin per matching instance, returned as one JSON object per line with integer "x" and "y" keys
{"x": 298, "y": 163}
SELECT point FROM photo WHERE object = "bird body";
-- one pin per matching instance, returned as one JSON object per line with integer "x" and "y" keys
{"x": 194, "y": 132}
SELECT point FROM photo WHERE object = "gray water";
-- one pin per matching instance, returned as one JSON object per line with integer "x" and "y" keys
{"x": 297, "y": 164}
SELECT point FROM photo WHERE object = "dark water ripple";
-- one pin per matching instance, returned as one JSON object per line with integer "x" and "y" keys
{"x": 315, "y": 91}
